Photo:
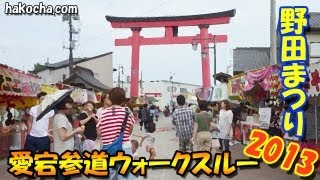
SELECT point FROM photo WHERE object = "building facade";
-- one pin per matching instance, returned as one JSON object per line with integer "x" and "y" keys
{"x": 164, "y": 91}
{"x": 101, "y": 65}
{"x": 313, "y": 37}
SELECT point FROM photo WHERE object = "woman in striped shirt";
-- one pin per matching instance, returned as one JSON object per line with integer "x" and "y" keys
{"x": 110, "y": 124}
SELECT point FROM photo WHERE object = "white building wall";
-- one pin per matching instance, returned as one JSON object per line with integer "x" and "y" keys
{"x": 45, "y": 79}
{"x": 313, "y": 37}
{"x": 53, "y": 76}
{"x": 102, "y": 68}
{"x": 160, "y": 87}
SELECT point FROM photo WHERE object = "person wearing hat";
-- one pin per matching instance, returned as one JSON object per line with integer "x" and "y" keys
{"x": 38, "y": 139}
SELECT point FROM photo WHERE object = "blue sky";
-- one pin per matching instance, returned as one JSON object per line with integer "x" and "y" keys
{"x": 25, "y": 40}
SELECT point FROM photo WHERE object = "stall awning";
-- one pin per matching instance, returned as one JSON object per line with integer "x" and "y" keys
{"x": 14, "y": 82}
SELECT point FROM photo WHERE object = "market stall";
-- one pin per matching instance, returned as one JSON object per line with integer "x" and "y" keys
{"x": 18, "y": 92}
{"x": 262, "y": 88}
{"x": 255, "y": 87}
{"x": 313, "y": 111}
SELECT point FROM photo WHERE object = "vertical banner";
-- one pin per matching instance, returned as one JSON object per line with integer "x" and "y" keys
{"x": 294, "y": 59}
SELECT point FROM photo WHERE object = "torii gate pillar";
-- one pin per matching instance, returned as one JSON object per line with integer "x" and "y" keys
{"x": 135, "y": 56}
{"x": 205, "y": 62}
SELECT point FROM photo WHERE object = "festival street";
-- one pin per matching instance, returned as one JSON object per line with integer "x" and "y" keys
{"x": 125, "y": 90}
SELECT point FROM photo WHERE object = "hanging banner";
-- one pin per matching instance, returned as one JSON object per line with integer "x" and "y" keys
{"x": 220, "y": 92}
{"x": 204, "y": 93}
{"x": 259, "y": 76}
{"x": 79, "y": 95}
{"x": 18, "y": 83}
{"x": 236, "y": 85}
{"x": 313, "y": 88}
{"x": 275, "y": 84}
{"x": 92, "y": 96}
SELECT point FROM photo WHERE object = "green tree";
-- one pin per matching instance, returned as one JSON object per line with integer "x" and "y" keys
{"x": 38, "y": 68}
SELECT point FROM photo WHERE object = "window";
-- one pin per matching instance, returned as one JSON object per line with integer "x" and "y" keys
{"x": 171, "y": 89}
{"x": 64, "y": 77}
{"x": 315, "y": 49}
{"x": 183, "y": 90}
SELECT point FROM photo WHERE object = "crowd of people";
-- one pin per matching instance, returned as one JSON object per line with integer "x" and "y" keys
{"x": 194, "y": 126}
{"x": 86, "y": 129}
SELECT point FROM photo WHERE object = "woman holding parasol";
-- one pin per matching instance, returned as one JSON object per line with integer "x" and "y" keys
{"x": 63, "y": 133}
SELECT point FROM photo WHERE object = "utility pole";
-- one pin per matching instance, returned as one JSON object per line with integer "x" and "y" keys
{"x": 273, "y": 33}
{"x": 141, "y": 84}
{"x": 119, "y": 76}
{"x": 70, "y": 47}
{"x": 120, "y": 80}
{"x": 171, "y": 97}
{"x": 68, "y": 18}
{"x": 215, "y": 62}
{"x": 122, "y": 76}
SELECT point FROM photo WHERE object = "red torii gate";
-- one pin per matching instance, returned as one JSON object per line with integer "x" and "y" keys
{"x": 171, "y": 25}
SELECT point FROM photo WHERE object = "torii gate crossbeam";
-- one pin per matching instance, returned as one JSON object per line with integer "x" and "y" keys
{"x": 171, "y": 25}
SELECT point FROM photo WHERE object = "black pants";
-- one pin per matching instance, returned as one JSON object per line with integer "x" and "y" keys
{"x": 143, "y": 123}
{"x": 37, "y": 144}
{"x": 224, "y": 144}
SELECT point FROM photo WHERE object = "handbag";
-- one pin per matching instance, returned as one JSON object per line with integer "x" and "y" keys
{"x": 116, "y": 146}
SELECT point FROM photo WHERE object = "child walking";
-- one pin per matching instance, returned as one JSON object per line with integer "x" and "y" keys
{"x": 134, "y": 148}
{"x": 150, "y": 139}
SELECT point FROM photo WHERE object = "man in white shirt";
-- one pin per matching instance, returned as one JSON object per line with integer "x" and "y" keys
{"x": 38, "y": 131}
